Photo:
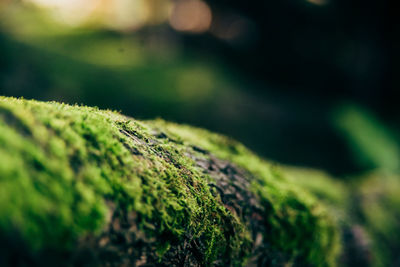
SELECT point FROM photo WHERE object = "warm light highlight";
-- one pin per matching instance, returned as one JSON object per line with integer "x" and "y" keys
{"x": 72, "y": 12}
{"x": 191, "y": 16}
{"x": 125, "y": 15}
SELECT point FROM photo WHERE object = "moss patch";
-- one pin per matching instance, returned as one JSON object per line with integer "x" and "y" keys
{"x": 297, "y": 227}
{"x": 75, "y": 178}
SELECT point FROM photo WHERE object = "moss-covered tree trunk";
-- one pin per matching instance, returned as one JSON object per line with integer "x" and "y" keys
{"x": 83, "y": 186}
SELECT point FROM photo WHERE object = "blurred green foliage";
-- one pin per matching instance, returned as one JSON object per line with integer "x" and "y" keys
{"x": 374, "y": 145}
{"x": 152, "y": 72}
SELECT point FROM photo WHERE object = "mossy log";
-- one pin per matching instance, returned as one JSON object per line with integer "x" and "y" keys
{"x": 81, "y": 186}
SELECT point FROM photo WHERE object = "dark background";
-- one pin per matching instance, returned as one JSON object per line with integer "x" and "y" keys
{"x": 278, "y": 76}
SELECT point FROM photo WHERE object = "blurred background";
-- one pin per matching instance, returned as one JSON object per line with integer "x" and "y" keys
{"x": 304, "y": 82}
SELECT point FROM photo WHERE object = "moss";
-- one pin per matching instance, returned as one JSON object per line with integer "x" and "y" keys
{"x": 296, "y": 224}
{"x": 365, "y": 206}
{"x": 58, "y": 174}
{"x": 333, "y": 192}
{"x": 71, "y": 173}
{"x": 378, "y": 197}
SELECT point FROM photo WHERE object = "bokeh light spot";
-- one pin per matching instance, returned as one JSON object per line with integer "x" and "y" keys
{"x": 191, "y": 16}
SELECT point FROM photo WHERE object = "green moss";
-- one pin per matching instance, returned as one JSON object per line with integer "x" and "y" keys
{"x": 379, "y": 202}
{"x": 62, "y": 165}
{"x": 369, "y": 203}
{"x": 333, "y": 192}
{"x": 297, "y": 224}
